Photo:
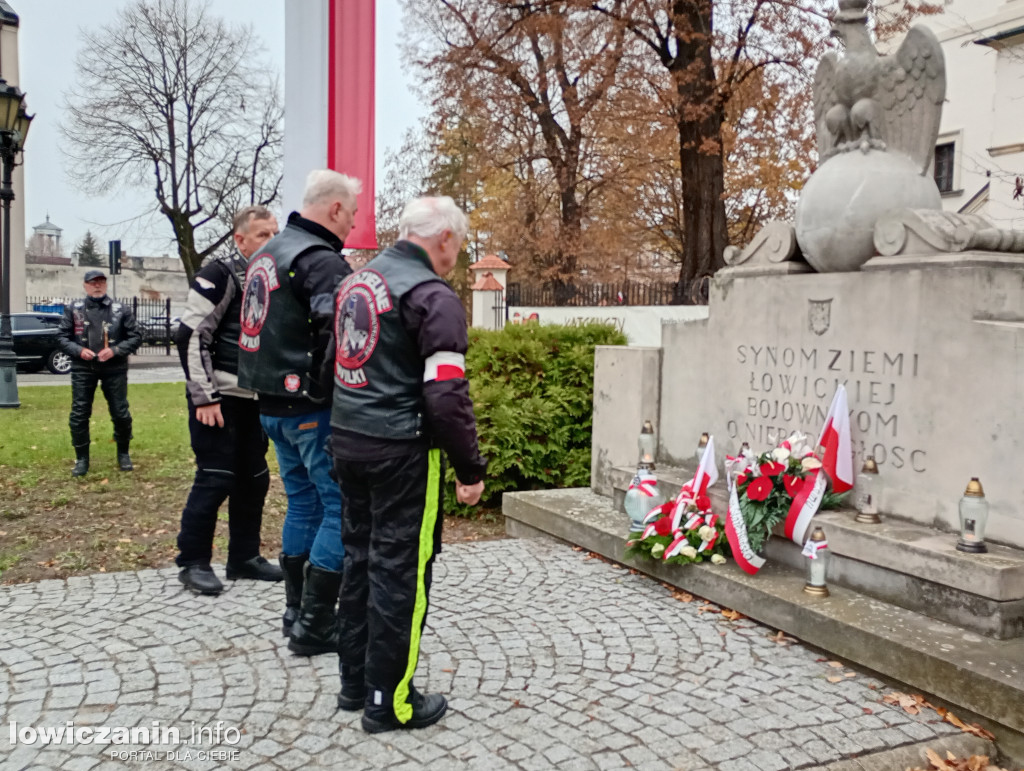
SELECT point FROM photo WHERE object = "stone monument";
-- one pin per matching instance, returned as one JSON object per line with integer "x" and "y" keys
{"x": 920, "y": 313}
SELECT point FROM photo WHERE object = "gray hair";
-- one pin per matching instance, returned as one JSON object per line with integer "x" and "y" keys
{"x": 322, "y": 184}
{"x": 249, "y": 213}
{"x": 428, "y": 217}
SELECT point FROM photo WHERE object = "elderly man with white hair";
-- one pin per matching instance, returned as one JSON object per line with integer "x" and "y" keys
{"x": 400, "y": 397}
{"x": 286, "y": 320}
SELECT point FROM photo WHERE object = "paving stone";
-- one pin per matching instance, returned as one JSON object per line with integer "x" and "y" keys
{"x": 550, "y": 660}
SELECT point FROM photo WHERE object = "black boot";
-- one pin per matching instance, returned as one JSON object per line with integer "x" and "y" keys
{"x": 292, "y": 567}
{"x": 256, "y": 569}
{"x": 316, "y": 629}
{"x": 81, "y": 466}
{"x": 353, "y": 687}
{"x": 124, "y": 460}
{"x": 201, "y": 579}
{"x": 379, "y": 712}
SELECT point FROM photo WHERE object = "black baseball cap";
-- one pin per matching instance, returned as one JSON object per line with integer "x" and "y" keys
{"x": 92, "y": 275}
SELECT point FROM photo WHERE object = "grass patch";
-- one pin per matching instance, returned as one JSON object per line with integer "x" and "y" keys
{"x": 53, "y": 526}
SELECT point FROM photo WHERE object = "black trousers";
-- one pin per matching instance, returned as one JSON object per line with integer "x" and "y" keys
{"x": 231, "y": 463}
{"x": 83, "y": 390}
{"x": 391, "y": 528}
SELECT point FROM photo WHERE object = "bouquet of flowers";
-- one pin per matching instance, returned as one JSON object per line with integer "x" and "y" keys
{"x": 781, "y": 485}
{"x": 685, "y": 529}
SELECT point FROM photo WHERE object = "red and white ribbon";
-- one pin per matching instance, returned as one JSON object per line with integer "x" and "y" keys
{"x": 736, "y": 533}
{"x": 677, "y": 545}
{"x": 804, "y": 506}
{"x": 811, "y": 548}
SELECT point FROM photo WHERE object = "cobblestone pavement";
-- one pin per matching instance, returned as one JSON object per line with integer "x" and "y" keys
{"x": 550, "y": 659}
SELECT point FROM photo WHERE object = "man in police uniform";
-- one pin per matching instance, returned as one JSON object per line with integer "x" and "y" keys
{"x": 285, "y": 329}
{"x": 99, "y": 334}
{"x": 223, "y": 419}
{"x": 400, "y": 396}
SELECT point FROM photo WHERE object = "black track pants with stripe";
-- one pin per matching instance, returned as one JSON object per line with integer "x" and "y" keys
{"x": 391, "y": 528}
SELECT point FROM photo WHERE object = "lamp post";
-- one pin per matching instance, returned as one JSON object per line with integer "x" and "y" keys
{"x": 14, "y": 123}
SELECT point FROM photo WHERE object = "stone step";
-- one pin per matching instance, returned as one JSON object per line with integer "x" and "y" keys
{"x": 901, "y": 562}
{"x": 981, "y": 674}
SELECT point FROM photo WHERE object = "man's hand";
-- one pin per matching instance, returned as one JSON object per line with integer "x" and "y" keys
{"x": 469, "y": 494}
{"x": 88, "y": 354}
{"x": 210, "y": 415}
{"x": 106, "y": 354}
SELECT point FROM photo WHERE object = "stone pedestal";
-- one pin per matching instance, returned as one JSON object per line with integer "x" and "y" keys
{"x": 931, "y": 353}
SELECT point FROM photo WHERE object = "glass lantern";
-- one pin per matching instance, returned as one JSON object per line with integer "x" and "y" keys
{"x": 973, "y": 519}
{"x": 698, "y": 454}
{"x": 647, "y": 445}
{"x": 866, "y": 499}
{"x": 816, "y": 552}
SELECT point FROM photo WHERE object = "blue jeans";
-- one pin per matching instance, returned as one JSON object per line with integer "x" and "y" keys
{"x": 313, "y": 522}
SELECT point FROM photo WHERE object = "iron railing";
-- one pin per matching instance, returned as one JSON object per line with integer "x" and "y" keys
{"x": 153, "y": 317}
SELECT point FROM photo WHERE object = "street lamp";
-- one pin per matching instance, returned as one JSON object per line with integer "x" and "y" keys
{"x": 14, "y": 123}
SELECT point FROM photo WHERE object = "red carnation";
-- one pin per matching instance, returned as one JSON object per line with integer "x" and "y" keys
{"x": 741, "y": 479}
{"x": 793, "y": 484}
{"x": 772, "y": 469}
{"x": 703, "y": 503}
{"x": 760, "y": 489}
{"x": 663, "y": 526}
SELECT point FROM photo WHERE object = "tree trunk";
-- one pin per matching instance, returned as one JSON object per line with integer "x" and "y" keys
{"x": 700, "y": 116}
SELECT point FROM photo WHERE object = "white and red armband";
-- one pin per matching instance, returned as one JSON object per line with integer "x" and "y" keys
{"x": 444, "y": 365}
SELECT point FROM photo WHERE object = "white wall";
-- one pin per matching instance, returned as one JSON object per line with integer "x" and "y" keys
{"x": 984, "y": 110}
{"x": 640, "y": 323}
{"x": 60, "y": 281}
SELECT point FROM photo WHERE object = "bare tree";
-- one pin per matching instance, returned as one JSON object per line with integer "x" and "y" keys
{"x": 172, "y": 97}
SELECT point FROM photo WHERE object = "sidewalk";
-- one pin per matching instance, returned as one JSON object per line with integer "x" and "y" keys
{"x": 142, "y": 368}
{"x": 550, "y": 659}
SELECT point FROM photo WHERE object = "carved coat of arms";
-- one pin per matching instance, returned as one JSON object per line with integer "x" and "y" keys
{"x": 819, "y": 315}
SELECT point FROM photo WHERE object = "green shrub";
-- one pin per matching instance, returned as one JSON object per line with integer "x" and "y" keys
{"x": 533, "y": 391}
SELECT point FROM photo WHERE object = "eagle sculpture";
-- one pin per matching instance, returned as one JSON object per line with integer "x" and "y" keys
{"x": 868, "y": 101}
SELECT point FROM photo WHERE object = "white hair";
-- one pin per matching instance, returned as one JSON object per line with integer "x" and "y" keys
{"x": 428, "y": 217}
{"x": 322, "y": 184}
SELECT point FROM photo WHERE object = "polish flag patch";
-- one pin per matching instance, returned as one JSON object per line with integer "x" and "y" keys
{"x": 444, "y": 365}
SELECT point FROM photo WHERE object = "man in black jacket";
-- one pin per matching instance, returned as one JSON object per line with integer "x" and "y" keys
{"x": 99, "y": 334}
{"x": 223, "y": 419}
{"x": 400, "y": 396}
{"x": 286, "y": 321}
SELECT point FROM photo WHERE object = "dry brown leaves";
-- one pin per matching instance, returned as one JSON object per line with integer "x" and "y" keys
{"x": 780, "y": 638}
{"x": 914, "y": 703}
{"x": 952, "y": 763}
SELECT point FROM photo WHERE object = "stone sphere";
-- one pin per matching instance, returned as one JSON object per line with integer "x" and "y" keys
{"x": 846, "y": 196}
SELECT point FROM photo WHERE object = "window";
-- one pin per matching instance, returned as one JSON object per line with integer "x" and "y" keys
{"x": 945, "y": 158}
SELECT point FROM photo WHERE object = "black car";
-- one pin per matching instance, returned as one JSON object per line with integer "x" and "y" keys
{"x": 158, "y": 330}
{"x": 35, "y": 342}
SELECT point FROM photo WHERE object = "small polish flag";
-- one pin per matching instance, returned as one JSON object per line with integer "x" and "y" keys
{"x": 835, "y": 438}
{"x": 707, "y": 471}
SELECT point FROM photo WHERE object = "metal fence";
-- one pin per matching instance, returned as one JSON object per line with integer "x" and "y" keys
{"x": 599, "y": 294}
{"x": 153, "y": 318}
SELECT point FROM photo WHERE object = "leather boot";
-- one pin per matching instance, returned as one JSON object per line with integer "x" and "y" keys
{"x": 316, "y": 629}
{"x": 353, "y": 687}
{"x": 379, "y": 712}
{"x": 292, "y": 566}
{"x": 81, "y": 466}
{"x": 124, "y": 460}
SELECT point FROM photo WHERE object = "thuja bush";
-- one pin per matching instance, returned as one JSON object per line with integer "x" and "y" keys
{"x": 532, "y": 389}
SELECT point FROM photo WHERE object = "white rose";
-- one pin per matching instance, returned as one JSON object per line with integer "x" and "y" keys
{"x": 706, "y": 533}
{"x": 810, "y": 463}
{"x": 717, "y": 559}
{"x": 781, "y": 454}
{"x": 688, "y": 551}
{"x": 657, "y": 550}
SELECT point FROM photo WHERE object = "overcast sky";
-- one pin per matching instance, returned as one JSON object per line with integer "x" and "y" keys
{"x": 50, "y": 37}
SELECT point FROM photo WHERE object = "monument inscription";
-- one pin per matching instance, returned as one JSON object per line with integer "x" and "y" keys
{"x": 789, "y": 388}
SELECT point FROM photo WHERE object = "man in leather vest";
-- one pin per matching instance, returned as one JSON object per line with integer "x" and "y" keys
{"x": 287, "y": 312}
{"x": 223, "y": 419}
{"x": 400, "y": 396}
{"x": 99, "y": 334}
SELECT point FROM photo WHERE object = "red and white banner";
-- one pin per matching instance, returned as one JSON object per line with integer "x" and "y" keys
{"x": 329, "y": 102}
{"x": 804, "y": 506}
{"x": 736, "y": 533}
{"x": 837, "y": 458}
